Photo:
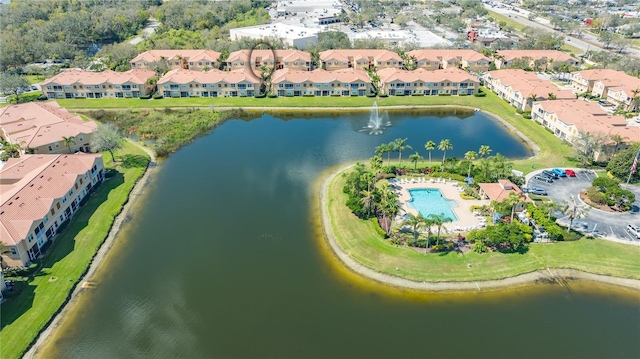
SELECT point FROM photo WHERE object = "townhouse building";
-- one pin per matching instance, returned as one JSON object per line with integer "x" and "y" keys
{"x": 106, "y": 84}
{"x": 41, "y": 127}
{"x": 522, "y": 88}
{"x": 359, "y": 59}
{"x": 201, "y": 60}
{"x": 451, "y": 81}
{"x": 278, "y": 59}
{"x": 622, "y": 90}
{"x": 212, "y": 83}
{"x": 536, "y": 59}
{"x": 584, "y": 80}
{"x": 319, "y": 82}
{"x": 40, "y": 194}
{"x": 434, "y": 59}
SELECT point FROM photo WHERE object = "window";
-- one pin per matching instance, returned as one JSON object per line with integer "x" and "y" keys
{"x": 30, "y": 238}
{"x": 53, "y": 211}
{"x": 46, "y": 219}
{"x": 13, "y": 251}
{"x": 50, "y": 148}
{"x": 80, "y": 138}
{"x": 58, "y": 205}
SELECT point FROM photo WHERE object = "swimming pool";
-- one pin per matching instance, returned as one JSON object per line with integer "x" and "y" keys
{"x": 431, "y": 201}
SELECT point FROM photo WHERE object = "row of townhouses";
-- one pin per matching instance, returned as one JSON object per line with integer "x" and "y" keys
{"x": 106, "y": 84}
{"x": 616, "y": 87}
{"x": 40, "y": 193}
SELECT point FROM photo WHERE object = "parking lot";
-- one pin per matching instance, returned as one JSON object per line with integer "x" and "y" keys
{"x": 608, "y": 224}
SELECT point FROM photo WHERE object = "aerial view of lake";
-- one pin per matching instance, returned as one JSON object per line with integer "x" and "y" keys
{"x": 222, "y": 259}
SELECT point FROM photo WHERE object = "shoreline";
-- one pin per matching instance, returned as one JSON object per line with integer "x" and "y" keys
{"x": 100, "y": 255}
{"x": 550, "y": 275}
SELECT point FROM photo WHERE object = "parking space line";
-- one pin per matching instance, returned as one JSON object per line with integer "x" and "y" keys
{"x": 612, "y": 233}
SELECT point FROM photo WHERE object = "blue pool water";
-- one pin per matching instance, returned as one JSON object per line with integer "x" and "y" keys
{"x": 431, "y": 201}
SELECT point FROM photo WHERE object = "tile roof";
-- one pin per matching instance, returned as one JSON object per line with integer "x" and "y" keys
{"x": 452, "y": 74}
{"x": 70, "y": 77}
{"x": 30, "y": 184}
{"x": 555, "y": 55}
{"x": 184, "y": 76}
{"x": 501, "y": 190}
{"x": 286, "y": 55}
{"x": 587, "y": 116}
{"x": 528, "y": 83}
{"x": 446, "y": 54}
{"x": 320, "y": 76}
{"x": 600, "y": 74}
{"x": 356, "y": 54}
{"x": 189, "y": 55}
{"x": 35, "y": 124}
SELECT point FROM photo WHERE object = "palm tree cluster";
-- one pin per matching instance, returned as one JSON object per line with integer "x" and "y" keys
{"x": 418, "y": 222}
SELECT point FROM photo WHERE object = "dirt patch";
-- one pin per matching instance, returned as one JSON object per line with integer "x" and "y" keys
{"x": 603, "y": 207}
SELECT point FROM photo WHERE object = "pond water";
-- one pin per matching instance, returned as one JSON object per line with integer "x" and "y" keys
{"x": 223, "y": 258}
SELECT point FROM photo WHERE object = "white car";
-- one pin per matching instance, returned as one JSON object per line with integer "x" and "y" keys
{"x": 634, "y": 230}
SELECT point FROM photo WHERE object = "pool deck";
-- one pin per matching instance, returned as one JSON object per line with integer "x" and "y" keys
{"x": 466, "y": 219}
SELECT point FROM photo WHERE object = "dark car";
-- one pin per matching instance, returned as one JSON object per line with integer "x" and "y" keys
{"x": 525, "y": 189}
{"x": 550, "y": 174}
{"x": 543, "y": 178}
{"x": 538, "y": 191}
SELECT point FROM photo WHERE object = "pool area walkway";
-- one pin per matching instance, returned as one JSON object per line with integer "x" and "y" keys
{"x": 466, "y": 220}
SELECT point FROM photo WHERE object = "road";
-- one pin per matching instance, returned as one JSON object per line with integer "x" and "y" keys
{"x": 585, "y": 43}
{"x": 146, "y": 32}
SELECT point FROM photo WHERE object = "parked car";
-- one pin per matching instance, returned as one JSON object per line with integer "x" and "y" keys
{"x": 560, "y": 172}
{"x": 538, "y": 191}
{"x": 634, "y": 230}
{"x": 543, "y": 178}
{"x": 525, "y": 189}
{"x": 550, "y": 174}
{"x": 570, "y": 173}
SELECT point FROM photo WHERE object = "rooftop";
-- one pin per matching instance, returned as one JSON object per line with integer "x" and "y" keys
{"x": 70, "y": 77}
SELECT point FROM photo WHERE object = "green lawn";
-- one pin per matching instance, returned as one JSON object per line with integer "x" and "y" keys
{"x": 26, "y": 314}
{"x": 567, "y": 47}
{"x": 359, "y": 239}
{"x": 510, "y": 21}
{"x": 34, "y": 79}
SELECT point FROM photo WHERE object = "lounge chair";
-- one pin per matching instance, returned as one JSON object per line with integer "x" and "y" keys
{"x": 431, "y": 180}
{"x": 457, "y": 228}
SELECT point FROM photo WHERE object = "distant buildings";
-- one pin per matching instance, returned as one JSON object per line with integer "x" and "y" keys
{"x": 212, "y": 83}
{"x": 453, "y": 81}
{"x": 433, "y": 59}
{"x": 359, "y": 59}
{"x": 106, "y": 84}
{"x": 40, "y": 193}
{"x": 542, "y": 59}
{"x": 296, "y": 36}
{"x": 178, "y": 59}
{"x": 39, "y": 127}
{"x": 291, "y": 59}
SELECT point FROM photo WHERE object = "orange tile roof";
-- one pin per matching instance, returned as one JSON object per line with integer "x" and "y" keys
{"x": 528, "y": 83}
{"x": 587, "y": 116}
{"x": 70, "y": 77}
{"x": 447, "y": 54}
{"x": 35, "y": 124}
{"x": 184, "y": 76}
{"x": 189, "y": 55}
{"x": 356, "y": 54}
{"x": 600, "y": 74}
{"x": 320, "y": 76}
{"x": 555, "y": 55}
{"x": 30, "y": 184}
{"x": 452, "y": 74}
{"x": 286, "y": 55}
{"x": 500, "y": 191}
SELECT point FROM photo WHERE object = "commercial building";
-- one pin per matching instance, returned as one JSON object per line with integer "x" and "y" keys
{"x": 212, "y": 83}
{"x": 290, "y": 59}
{"x": 535, "y": 59}
{"x": 359, "y": 59}
{"x": 40, "y": 127}
{"x": 344, "y": 82}
{"x": 522, "y": 88}
{"x": 178, "y": 59}
{"x": 106, "y": 84}
{"x": 452, "y": 81}
{"x": 295, "y": 36}
{"x": 39, "y": 194}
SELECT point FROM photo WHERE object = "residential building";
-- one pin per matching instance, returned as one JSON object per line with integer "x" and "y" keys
{"x": 584, "y": 80}
{"x": 500, "y": 191}
{"x": 434, "y": 59}
{"x": 452, "y": 81}
{"x": 106, "y": 84}
{"x": 39, "y": 194}
{"x": 536, "y": 59}
{"x": 290, "y": 59}
{"x": 359, "y": 59}
{"x": 622, "y": 90}
{"x": 294, "y": 36}
{"x": 212, "y": 83}
{"x": 178, "y": 59}
{"x": 41, "y": 127}
{"x": 522, "y": 88}
{"x": 345, "y": 82}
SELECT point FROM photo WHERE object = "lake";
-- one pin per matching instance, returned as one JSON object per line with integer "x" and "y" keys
{"x": 223, "y": 258}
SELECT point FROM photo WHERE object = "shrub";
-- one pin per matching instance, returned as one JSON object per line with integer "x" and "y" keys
{"x": 527, "y": 115}
{"x": 272, "y": 95}
{"x": 371, "y": 95}
{"x": 595, "y": 196}
{"x": 480, "y": 94}
{"x": 260, "y": 95}
{"x": 145, "y": 97}
{"x": 377, "y": 227}
{"x": 288, "y": 95}
{"x": 444, "y": 94}
{"x": 466, "y": 196}
{"x": 519, "y": 111}
{"x": 157, "y": 96}
{"x": 312, "y": 95}
{"x": 417, "y": 94}
{"x": 384, "y": 95}
{"x": 463, "y": 94}
{"x": 42, "y": 98}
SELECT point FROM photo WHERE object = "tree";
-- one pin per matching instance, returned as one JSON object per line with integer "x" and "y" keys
{"x": 11, "y": 84}
{"x": 389, "y": 206}
{"x": 376, "y": 164}
{"x": 470, "y": 156}
{"x": 68, "y": 141}
{"x": 439, "y": 220}
{"x": 385, "y": 147}
{"x": 107, "y": 138}
{"x": 430, "y": 146}
{"x": 621, "y": 43}
{"x": 548, "y": 207}
{"x": 368, "y": 200}
{"x": 552, "y": 96}
{"x": 484, "y": 151}
{"x": 585, "y": 144}
{"x": 415, "y": 222}
{"x": 444, "y": 146}
{"x": 605, "y": 38}
{"x": 10, "y": 150}
{"x": 573, "y": 211}
{"x": 400, "y": 145}
{"x": 485, "y": 166}
{"x": 501, "y": 165}
{"x": 620, "y": 164}
{"x": 415, "y": 158}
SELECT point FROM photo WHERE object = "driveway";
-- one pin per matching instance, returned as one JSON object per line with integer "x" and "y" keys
{"x": 611, "y": 225}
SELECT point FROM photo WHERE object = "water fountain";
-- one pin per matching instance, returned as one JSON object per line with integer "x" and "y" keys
{"x": 377, "y": 123}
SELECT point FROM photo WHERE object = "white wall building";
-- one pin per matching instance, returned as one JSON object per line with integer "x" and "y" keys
{"x": 300, "y": 37}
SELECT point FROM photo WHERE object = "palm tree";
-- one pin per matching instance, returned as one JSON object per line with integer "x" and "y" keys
{"x": 368, "y": 200}
{"x": 400, "y": 145}
{"x": 533, "y": 97}
{"x": 415, "y": 158}
{"x": 428, "y": 223}
{"x": 439, "y": 220}
{"x": 430, "y": 146}
{"x": 573, "y": 210}
{"x": 11, "y": 150}
{"x": 444, "y": 146}
{"x": 548, "y": 206}
{"x": 484, "y": 151}
{"x": 385, "y": 147}
{"x": 485, "y": 166}
{"x": 389, "y": 206}
{"x": 415, "y": 222}
{"x": 68, "y": 141}
{"x": 552, "y": 96}
{"x": 617, "y": 140}
{"x": 501, "y": 164}
{"x": 376, "y": 164}
{"x": 470, "y": 156}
